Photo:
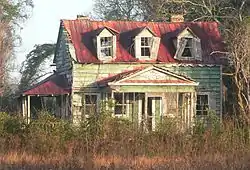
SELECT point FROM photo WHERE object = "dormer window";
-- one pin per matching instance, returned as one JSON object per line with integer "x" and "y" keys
{"x": 106, "y": 44}
{"x": 188, "y": 46}
{"x": 146, "y": 45}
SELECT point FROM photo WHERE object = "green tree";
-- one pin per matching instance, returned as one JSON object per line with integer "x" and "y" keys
{"x": 12, "y": 14}
{"x": 36, "y": 64}
{"x": 117, "y": 9}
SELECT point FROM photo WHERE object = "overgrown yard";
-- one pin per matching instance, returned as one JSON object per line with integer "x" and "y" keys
{"x": 109, "y": 143}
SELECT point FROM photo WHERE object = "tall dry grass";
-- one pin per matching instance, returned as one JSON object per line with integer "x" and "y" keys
{"x": 109, "y": 143}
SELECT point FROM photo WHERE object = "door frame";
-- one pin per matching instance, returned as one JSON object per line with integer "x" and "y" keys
{"x": 147, "y": 96}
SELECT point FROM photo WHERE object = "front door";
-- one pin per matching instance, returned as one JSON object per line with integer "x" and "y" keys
{"x": 154, "y": 111}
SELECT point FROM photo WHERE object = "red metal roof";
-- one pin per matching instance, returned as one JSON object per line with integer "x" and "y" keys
{"x": 53, "y": 85}
{"x": 82, "y": 32}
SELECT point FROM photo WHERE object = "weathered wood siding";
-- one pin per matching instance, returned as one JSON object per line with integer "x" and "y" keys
{"x": 63, "y": 60}
{"x": 209, "y": 78}
{"x": 63, "y": 63}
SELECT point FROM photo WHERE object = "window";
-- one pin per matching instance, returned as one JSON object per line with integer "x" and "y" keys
{"x": 187, "y": 50}
{"x": 145, "y": 46}
{"x": 202, "y": 105}
{"x": 106, "y": 46}
{"x": 120, "y": 104}
{"x": 90, "y": 103}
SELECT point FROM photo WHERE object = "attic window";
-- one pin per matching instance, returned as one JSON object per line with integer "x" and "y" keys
{"x": 106, "y": 46}
{"x": 188, "y": 46}
{"x": 145, "y": 46}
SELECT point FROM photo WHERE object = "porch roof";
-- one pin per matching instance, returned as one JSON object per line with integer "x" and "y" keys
{"x": 52, "y": 85}
{"x": 147, "y": 76}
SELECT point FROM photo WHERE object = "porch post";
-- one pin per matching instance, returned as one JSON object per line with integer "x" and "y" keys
{"x": 62, "y": 113}
{"x": 113, "y": 102}
{"x": 28, "y": 109}
{"x": 192, "y": 108}
{"x": 24, "y": 106}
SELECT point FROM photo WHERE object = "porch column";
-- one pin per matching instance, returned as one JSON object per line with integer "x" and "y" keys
{"x": 193, "y": 107}
{"x": 24, "y": 107}
{"x": 28, "y": 109}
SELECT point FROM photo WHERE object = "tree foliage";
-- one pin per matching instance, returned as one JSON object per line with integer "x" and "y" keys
{"x": 12, "y": 13}
{"x": 35, "y": 65}
{"x": 117, "y": 9}
{"x": 161, "y": 10}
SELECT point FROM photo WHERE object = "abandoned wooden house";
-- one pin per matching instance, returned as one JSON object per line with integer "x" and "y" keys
{"x": 149, "y": 70}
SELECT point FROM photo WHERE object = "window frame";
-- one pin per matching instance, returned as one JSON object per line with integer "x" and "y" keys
{"x": 105, "y": 34}
{"x": 109, "y": 47}
{"x": 96, "y": 104}
{"x": 148, "y": 40}
{"x": 123, "y": 104}
{"x": 208, "y": 104}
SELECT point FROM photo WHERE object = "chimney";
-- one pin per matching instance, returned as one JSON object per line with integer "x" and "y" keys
{"x": 82, "y": 17}
{"x": 177, "y": 18}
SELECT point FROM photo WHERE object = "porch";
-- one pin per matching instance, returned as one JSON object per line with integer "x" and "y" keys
{"x": 52, "y": 95}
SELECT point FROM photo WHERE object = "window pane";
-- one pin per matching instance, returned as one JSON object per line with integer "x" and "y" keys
{"x": 106, "y": 41}
{"x": 90, "y": 99}
{"x": 145, "y": 51}
{"x": 187, "y": 52}
{"x": 106, "y": 51}
{"x": 118, "y": 109}
{"x": 118, "y": 98}
{"x": 90, "y": 109}
{"x": 145, "y": 41}
{"x": 202, "y": 105}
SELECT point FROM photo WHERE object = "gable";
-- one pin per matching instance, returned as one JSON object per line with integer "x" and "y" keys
{"x": 154, "y": 76}
{"x": 105, "y": 33}
{"x": 146, "y": 33}
{"x": 187, "y": 32}
{"x": 81, "y": 33}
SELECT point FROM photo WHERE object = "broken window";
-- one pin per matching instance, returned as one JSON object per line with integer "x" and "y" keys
{"x": 202, "y": 105}
{"x": 188, "y": 46}
{"x": 106, "y": 46}
{"x": 187, "y": 50}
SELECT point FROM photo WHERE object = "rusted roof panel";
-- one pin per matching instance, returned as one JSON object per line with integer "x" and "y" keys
{"x": 53, "y": 85}
{"x": 82, "y": 32}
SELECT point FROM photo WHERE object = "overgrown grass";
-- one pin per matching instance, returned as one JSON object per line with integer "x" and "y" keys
{"x": 107, "y": 142}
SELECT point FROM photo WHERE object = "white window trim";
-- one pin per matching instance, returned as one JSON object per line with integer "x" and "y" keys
{"x": 99, "y": 48}
{"x": 125, "y": 108}
{"x": 154, "y": 44}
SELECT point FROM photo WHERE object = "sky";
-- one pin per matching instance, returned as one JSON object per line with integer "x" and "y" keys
{"x": 43, "y": 26}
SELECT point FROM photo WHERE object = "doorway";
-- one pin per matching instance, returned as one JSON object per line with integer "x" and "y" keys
{"x": 154, "y": 112}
